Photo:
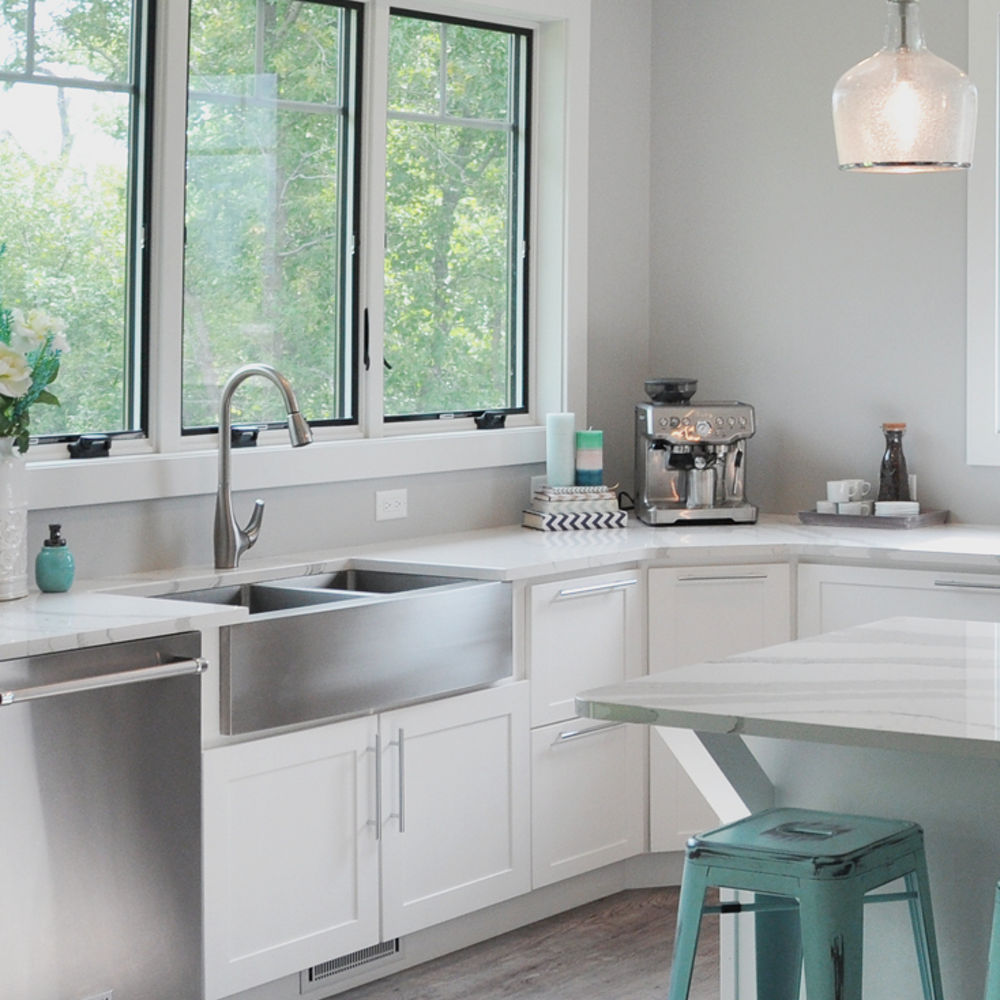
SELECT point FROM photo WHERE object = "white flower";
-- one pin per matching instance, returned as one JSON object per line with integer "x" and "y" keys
{"x": 31, "y": 330}
{"x": 15, "y": 373}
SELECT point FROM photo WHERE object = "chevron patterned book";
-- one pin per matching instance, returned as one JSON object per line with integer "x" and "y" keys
{"x": 547, "y": 521}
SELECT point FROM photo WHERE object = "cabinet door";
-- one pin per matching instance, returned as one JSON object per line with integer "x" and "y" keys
{"x": 698, "y": 614}
{"x": 834, "y": 597}
{"x": 455, "y": 802}
{"x": 583, "y": 633}
{"x": 588, "y": 783}
{"x": 291, "y": 862}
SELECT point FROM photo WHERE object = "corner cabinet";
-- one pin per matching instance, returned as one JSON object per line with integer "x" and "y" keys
{"x": 588, "y": 778}
{"x": 697, "y": 614}
{"x": 835, "y": 597}
{"x": 297, "y": 827}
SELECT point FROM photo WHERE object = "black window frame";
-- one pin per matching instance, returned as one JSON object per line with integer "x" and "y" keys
{"x": 520, "y": 198}
{"x": 352, "y": 53}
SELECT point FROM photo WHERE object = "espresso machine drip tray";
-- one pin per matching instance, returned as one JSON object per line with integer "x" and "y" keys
{"x": 690, "y": 462}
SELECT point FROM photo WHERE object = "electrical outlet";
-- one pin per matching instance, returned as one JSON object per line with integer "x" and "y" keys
{"x": 390, "y": 504}
{"x": 106, "y": 995}
{"x": 537, "y": 482}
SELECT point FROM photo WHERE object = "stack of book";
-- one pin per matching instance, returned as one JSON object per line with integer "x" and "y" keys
{"x": 574, "y": 508}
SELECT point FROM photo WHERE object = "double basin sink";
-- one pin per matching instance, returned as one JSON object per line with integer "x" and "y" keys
{"x": 355, "y": 641}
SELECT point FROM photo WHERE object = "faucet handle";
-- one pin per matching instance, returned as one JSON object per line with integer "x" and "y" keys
{"x": 252, "y": 530}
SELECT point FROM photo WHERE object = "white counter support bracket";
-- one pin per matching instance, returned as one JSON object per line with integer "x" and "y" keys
{"x": 723, "y": 769}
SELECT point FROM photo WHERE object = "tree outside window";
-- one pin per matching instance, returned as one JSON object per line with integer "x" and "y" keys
{"x": 71, "y": 76}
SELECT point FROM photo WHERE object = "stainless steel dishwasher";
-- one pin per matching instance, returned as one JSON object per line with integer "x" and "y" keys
{"x": 100, "y": 830}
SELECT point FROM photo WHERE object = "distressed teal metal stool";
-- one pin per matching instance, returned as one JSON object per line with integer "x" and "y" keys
{"x": 993, "y": 972}
{"x": 811, "y": 871}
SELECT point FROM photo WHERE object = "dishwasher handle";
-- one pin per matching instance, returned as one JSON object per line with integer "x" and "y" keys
{"x": 176, "y": 668}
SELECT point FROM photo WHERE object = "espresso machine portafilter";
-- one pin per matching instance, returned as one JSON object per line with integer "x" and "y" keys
{"x": 690, "y": 458}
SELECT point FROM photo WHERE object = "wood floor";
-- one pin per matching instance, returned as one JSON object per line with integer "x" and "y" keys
{"x": 618, "y": 948}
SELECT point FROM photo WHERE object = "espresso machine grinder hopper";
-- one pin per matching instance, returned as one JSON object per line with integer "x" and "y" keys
{"x": 690, "y": 458}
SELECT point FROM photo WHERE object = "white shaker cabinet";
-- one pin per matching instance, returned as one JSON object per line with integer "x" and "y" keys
{"x": 835, "y": 597}
{"x": 588, "y": 779}
{"x": 291, "y": 859}
{"x": 455, "y": 807}
{"x": 298, "y": 825}
{"x": 696, "y": 614}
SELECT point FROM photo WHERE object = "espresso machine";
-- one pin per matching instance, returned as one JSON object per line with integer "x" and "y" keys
{"x": 690, "y": 458}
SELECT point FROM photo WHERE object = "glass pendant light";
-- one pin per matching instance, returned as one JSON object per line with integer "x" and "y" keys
{"x": 904, "y": 109}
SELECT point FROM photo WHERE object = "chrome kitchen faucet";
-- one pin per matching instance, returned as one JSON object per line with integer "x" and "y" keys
{"x": 231, "y": 541}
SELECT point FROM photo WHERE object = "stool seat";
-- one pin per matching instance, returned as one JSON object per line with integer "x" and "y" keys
{"x": 813, "y": 871}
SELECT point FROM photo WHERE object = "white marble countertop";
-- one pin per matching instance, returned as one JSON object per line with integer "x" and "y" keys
{"x": 49, "y": 623}
{"x": 911, "y": 684}
{"x": 113, "y": 609}
{"x": 516, "y": 553}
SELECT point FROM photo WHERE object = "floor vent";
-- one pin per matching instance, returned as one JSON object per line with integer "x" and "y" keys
{"x": 322, "y": 973}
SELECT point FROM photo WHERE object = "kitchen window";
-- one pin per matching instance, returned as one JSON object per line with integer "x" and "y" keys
{"x": 270, "y": 227}
{"x": 456, "y": 193}
{"x": 274, "y": 236}
{"x": 73, "y": 88}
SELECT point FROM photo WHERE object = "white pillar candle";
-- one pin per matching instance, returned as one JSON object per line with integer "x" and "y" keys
{"x": 560, "y": 449}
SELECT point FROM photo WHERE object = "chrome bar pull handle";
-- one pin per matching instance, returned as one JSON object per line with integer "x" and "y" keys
{"x": 160, "y": 671}
{"x": 401, "y": 740}
{"x": 595, "y": 588}
{"x": 576, "y": 734}
{"x": 378, "y": 786}
{"x": 708, "y": 578}
{"x": 966, "y": 585}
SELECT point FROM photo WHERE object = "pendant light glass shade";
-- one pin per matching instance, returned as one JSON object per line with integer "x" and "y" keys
{"x": 904, "y": 109}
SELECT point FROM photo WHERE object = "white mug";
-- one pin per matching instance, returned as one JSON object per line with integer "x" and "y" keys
{"x": 855, "y": 507}
{"x": 844, "y": 490}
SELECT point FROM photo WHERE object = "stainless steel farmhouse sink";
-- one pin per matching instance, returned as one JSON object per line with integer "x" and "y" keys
{"x": 333, "y": 645}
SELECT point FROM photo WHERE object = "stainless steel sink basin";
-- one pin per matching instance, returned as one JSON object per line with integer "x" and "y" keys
{"x": 371, "y": 581}
{"x": 356, "y": 641}
{"x": 260, "y": 599}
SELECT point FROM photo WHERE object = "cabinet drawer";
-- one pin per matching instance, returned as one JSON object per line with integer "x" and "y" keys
{"x": 707, "y": 612}
{"x": 584, "y": 633}
{"x": 588, "y": 792}
{"x": 835, "y": 597}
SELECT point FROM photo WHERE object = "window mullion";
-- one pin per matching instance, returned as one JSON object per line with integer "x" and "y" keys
{"x": 373, "y": 220}
{"x": 167, "y": 243}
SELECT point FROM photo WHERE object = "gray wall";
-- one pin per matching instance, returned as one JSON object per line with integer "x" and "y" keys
{"x": 830, "y": 301}
{"x": 618, "y": 308}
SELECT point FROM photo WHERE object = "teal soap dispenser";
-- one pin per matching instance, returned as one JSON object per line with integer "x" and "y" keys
{"x": 54, "y": 563}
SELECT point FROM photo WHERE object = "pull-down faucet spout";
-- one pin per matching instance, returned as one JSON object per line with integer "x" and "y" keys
{"x": 231, "y": 541}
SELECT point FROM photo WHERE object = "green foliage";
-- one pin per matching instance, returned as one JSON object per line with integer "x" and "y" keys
{"x": 264, "y": 237}
{"x": 41, "y": 361}
{"x": 63, "y": 214}
{"x": 449, "y": 253}
{"x": 265, "y": 253}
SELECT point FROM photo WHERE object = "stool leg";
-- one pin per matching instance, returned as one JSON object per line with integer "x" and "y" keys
{"x": 694, "y": 884}
{"x": 993, "y": 972}
{"x": 832, "y": 942}
{"x": 778, "y": 952}
{"x": 922, "y": 918}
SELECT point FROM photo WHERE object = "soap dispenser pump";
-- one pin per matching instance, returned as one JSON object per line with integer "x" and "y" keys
{"x": 54, "y": 563}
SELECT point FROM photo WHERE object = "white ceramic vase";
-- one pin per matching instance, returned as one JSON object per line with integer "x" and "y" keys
{"x": 13, "y": 522}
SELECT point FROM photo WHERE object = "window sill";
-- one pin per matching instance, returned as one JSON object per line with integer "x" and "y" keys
{"x": 76, "y": 483}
